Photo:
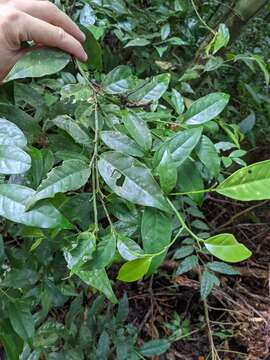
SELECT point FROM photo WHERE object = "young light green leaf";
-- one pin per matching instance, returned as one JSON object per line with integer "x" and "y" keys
{"x": 13, "y": 200}
{"x": 222, "y": 38}
{"x": 226, "y": 248}
{"x": 134, "y": 270}
{"x": 187, "y": 264}
{"x": 70, "y": 175}
{"x": 208, "y": 281}
{"x": 139, "y": 130}
{"x": 99, "y": 280}
{"x": 179, "y": 145}
{"x": 249, "y": 183}
{"x": 208, "y": 155}
{"x": 131, "y": 180}
{"x": 118, "y": 141}
{"x": 156, "y": 231}
{"x": 128, "y": 248}
{"x": 206, "y": 108}
{"x": 222, "y": 268}
{"x": 10, "y": 134}
{"x": 151, "y": 91}
{"x": 118, "y": 80}
{"x": 155, "y": 347}
{"x": 13, "y": 160}
{"x": 37, "y": 63}
{"x": 21, "y": 320}
{"x": 69, "y": 125}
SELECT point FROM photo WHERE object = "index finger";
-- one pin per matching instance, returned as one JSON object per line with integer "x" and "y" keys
{"x": 48, "y": 12}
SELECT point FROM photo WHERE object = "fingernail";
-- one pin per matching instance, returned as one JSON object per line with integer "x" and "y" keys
{"x": 84, "y": 56}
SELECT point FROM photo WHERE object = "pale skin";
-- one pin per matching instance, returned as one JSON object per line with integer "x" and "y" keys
{"x": 39, "y": 21}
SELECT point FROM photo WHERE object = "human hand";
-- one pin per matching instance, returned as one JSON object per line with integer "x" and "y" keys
{"x": 39, "y": 21}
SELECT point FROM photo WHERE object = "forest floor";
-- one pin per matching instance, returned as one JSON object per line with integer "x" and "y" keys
{"x": 236, "y": 317}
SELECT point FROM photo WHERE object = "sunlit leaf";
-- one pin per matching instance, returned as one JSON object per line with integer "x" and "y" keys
{"x": 134, "y": 270}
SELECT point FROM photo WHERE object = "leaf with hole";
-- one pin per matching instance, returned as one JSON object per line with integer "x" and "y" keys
{"x": 130, "y": 179}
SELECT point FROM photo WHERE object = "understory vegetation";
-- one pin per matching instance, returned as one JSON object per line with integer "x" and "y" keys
{"x": 134, "y": 188}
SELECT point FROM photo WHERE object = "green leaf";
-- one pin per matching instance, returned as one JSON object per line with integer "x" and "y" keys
{"x": 12, "y": 343}
{"x": 37, "y": 63}
{"x": 178, "y": 102}
{"x": 10, "y": 134}
{"x": 167, "y": 171}
{"x": 183, "y": 252}
{"x": 190, "y": 180}
{"x": 222, "y": 38}
{"x": 165, "y": 31}
{"x": 104, "y": 253}
{"x": 155, "y": 347}
{"x": 13, "y": 200}
{"x": 129, "y": 179}
{"x": 249, "y": 183}
{"x": 93, "y": 50}
{"x": 226, "y": 248}
{"x": 128, "y": 248}
{"x": 208, "y": 281}
{"x": 66, "y": 123}
{"x": 99, "y": 280}
{"x": 13, "y": 160}
{"x": 156, "y": 231}
{"x": 137, "y": 42}
{"x": 179, "y": 145}
{"x": 138, "y": 130}
{"x": 2, "y": 250}
{"x": 134, "y": 270}
{"x": 80, "y": 251}
{"x": 152, "y": 90}
{"x": 21, "y": 320}
{"x": 118, "y": 80}
{"x": 118, "y": 141}
{"x": 222, "y": 268}
{"x": 70, "y": 175}
{"x": 208, "y": 155}
{"x": 187, "y": 264}
{"x": 206, "y": 108}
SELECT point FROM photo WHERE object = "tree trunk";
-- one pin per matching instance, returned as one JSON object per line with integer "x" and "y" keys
{"x": 243, "y": 11}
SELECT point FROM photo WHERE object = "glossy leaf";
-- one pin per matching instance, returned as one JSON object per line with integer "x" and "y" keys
{"x": 167, "y": 171}
{"x": 226, "y": 248}
{"x": 134, "y": 270}
{"x": 69, "y": 125}
{"x": 179, "y": 145}
{"x": 13, "y": 160}
{"x": 208, "y": 155}
{"x": 138, "y": 130}
{"x": 129, "y": 179}
{"x": 117, "y": 81}
{"x": 152, "y": 90}
{"x": 128, "y": 248}
{"x": 178, "y": 102}
{"x": 10, "y": 134}
{"x": 137, "y": 42}
{"x": 249, "y": 183}
{"x": 71, "y": 175}
{"x": 118, "y": 141}
{"x": 222, "y": 38}
{"x": 13, "y": 200}
{"x": 156, "y": 231}
{"x": 37, "y": 63}
{"x": 206, "y": 108}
